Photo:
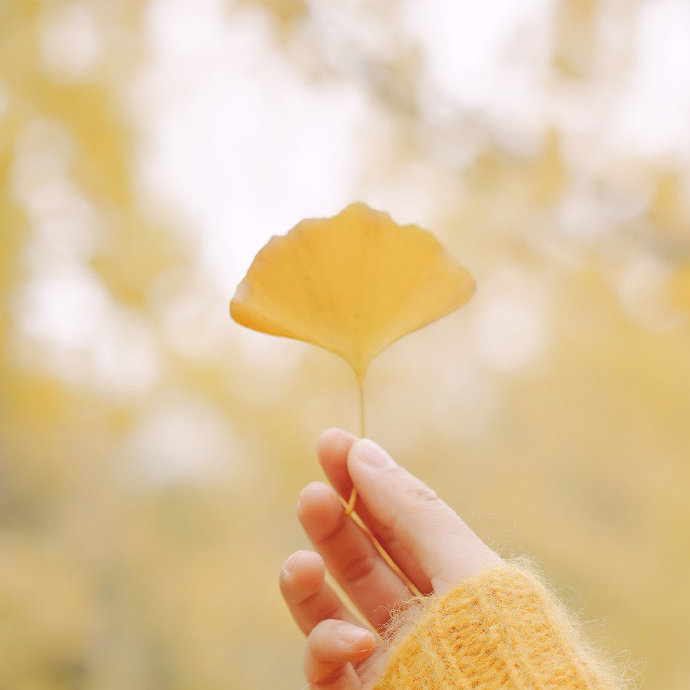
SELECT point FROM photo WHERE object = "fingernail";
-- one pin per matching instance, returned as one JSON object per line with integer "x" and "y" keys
{"x": 351, "y": 634}
{"x": 371, "y": 454}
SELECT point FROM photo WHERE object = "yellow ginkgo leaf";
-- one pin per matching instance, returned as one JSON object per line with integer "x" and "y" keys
{"x": 352, "y": 284}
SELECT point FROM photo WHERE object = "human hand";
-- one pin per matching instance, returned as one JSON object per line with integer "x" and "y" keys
{"x": 427, "y": 540}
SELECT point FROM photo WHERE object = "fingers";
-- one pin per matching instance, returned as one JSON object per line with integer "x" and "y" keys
{"x": 430, "y": 543}
{"x": 333, "y": 647}
{"x": 333, "y": 448}
{"x": 309, "y": 598}
{"x": 335, "y": 640}
{"x": 424, "y": 536}
{"x": 405, "y": 510}
{"x": 350, "y": 555}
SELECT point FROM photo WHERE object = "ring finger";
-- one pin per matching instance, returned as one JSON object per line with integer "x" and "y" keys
{"x": 308, "y": 597}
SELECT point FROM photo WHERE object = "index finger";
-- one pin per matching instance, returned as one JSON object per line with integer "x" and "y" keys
{"x": 433, "y": 534}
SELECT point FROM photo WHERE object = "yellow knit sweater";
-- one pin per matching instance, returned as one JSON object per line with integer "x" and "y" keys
{"x": 501, "y": 629}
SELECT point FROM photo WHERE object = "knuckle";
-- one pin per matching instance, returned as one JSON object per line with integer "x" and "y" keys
{"x": 358, "y": 568}
{"x": 329, "y": 612}
{"x": 419, "y": 492}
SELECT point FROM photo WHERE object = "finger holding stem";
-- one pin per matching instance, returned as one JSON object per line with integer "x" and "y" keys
{"x": 350, "y": 555}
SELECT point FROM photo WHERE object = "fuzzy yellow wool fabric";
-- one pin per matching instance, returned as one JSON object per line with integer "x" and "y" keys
{"x": 502, "y": 629}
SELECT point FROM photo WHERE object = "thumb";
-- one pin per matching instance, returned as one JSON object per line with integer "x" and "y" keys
{"x": 445, "y": 548}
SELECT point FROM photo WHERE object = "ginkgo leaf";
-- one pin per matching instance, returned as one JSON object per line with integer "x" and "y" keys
{"x": 352, "y": 284}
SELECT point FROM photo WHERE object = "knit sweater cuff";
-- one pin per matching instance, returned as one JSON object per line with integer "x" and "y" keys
{"x": 501, "y": 629}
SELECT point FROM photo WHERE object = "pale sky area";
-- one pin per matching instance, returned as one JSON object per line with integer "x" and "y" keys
{"x": 239, "y": 138}
{"x": 244, "y": 145}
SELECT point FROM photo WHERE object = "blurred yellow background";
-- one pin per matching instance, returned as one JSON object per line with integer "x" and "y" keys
{"x": 152, "y": 451}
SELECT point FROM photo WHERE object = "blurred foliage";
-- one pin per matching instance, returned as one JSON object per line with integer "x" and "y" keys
{"x": 151, "y": 453}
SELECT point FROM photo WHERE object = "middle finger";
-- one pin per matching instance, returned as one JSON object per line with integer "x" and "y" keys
{"x": 350, "y": 556}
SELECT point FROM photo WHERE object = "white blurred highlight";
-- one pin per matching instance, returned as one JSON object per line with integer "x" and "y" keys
{"x": 511, "y": 328}
{"x": 71, "y": 43}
